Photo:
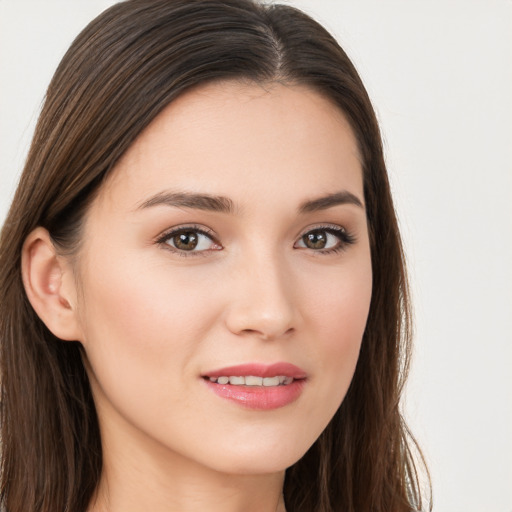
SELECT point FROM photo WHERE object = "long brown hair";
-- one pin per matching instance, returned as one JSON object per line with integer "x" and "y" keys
{"x": 121, "y": 72}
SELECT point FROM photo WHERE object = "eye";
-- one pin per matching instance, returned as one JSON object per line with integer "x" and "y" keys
{"x": 325, "y": 239}
{"x": 189, "y": 240}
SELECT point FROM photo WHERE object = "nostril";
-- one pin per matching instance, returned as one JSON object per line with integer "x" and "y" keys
{"x": 267, "y": 335}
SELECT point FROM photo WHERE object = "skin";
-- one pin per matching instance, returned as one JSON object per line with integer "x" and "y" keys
{"x": 153, "y": 320}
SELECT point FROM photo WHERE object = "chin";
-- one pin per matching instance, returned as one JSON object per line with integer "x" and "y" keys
{"x": 257, "y": 457}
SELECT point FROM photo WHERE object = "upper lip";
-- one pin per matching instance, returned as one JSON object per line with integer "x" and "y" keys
{"x": 259, "y": 370}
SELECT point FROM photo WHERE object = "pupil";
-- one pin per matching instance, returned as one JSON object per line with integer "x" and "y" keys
{"x": 186, "y": 241}
{"x": 315, "y": 240}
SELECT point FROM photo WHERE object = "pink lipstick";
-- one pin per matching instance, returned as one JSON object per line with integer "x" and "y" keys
{"x": 258, "y": 386}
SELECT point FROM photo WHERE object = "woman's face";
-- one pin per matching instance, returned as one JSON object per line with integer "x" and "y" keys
{"x": 232, "y": 234}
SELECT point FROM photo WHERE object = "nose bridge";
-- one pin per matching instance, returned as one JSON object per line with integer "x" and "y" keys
{"x": 264, "y": 302}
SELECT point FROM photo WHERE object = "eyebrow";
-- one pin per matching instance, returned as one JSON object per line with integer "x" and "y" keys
{"x": 325, "y": 202}
{"x": 190, "y": 200}
{"x": 223, "y": 204}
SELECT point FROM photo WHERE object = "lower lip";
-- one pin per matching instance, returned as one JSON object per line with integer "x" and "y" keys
{"x": 263, "y": 398}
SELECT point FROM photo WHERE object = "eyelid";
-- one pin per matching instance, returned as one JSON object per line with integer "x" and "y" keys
{"x": 321, "y": 225}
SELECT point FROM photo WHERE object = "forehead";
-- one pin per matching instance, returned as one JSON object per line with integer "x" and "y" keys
{"x": 230, "y": 138}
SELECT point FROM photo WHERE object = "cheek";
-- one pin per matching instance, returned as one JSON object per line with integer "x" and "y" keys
{"x": 141, "y": 326}
{"x": 143, "y": 305}
{"x": 338, "y": 314}
{"x": 339, "y": 302}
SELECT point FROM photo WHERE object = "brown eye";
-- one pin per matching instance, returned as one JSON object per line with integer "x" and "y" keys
{"x": 315, "y": 240}
{"x": 325, "y": 240}
{"x": 186, "y": 241}
{"x": 190, "y": 240}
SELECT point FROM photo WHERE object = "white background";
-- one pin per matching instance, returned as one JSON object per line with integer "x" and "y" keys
{"x": 440, "y": 75}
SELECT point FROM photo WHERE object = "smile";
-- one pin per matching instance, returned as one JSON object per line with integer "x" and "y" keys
{"x": 258, "y": 386}
{"x": 253, "y": 380}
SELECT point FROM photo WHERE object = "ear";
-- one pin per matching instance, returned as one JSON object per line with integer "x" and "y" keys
{"x": 50, "y": 285}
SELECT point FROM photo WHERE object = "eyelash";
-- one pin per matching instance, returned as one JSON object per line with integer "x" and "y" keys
{"x": 168, "y": 235}
{"x": 344, "y": 239}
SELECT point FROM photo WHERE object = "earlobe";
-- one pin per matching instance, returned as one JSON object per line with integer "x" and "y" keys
{"x": 49, "y": 285}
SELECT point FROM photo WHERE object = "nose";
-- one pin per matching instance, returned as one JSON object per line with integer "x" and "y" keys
{"x": 263, "y": 303}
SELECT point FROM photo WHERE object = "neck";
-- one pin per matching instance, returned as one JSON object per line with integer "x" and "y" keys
{"x": 151, "y": 477}
{"x": 226, "y": 493}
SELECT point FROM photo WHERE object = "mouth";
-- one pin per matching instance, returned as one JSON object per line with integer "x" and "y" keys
{"x": 252, "y": 380}
{"x": 256, "y": 386}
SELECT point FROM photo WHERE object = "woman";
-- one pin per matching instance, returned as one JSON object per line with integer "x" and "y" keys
{"x": 203, "y": 295}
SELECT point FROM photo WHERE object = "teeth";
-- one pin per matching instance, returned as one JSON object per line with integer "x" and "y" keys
{"x": 251, "y": 380}
{"x": 271, "y": 381}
